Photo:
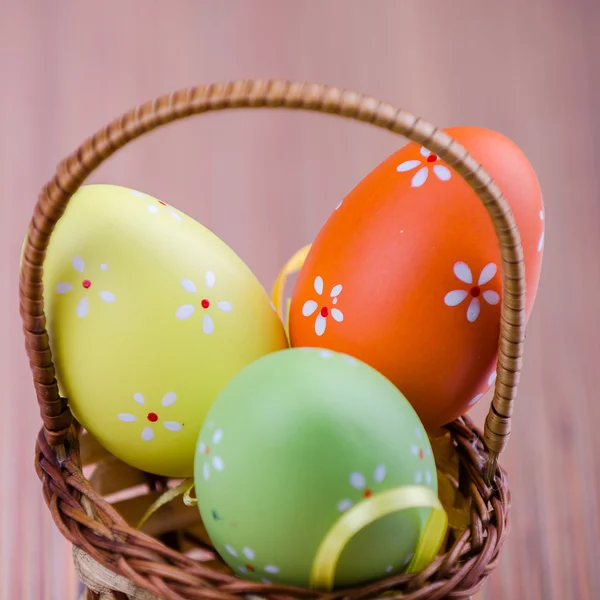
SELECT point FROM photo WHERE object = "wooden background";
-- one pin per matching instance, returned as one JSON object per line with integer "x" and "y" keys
{"x": 265, "y": 181}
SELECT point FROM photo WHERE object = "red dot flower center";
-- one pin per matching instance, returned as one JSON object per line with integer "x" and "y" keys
{"x": 152, "y": 417}
{"x": 86, "y": 283}
{"x": 475, "y": 291}
{"x": 250, "y": 568}
{"x": 205, "y": 303}
{"x": 368, "y": 493}
{"x": 421, "y": 454}
{"x": 207, "y": 450}
{"x": 432, "y": 158}
{"x": 324, "y": 311}
{"x": 162, "y": 203}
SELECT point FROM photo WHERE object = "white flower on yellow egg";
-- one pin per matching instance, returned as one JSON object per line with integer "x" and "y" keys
{"x": 430, "y": 160}
{"x": 246, "y": 558}
{"x": 152, "y": 418}
{"x": 464, "y": 274}
{"x": 185, "y": 311}
{"x": 422, "y": 476}
{"x": 322, "y": 307}
{"x": 86, "y": 286}
{"x": 206, "y": 450}
{"x": 359, "y": 482}
{"x": 155, "y": 205}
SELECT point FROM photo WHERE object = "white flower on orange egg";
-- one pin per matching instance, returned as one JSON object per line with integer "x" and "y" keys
{"x": 247, "y": 561}
{"x": 85, "y": 286}
{"x": 322, "y": 307}
{"x": 478, "y": 397}
{"x": 207, "y": 453}
{"x": 359, "y": 482}
{"x": 430, "y": 161}
{"x": 540, "y": 246}
{"x": 150, "y": 419}
{"x": 464, "y": 274}
{"x": 204, "y": 305}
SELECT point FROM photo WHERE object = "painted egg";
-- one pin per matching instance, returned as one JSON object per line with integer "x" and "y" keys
{"x": 405, "y": 274}
{"x": 301, "y": 447}
{"x": 149, "y": 315}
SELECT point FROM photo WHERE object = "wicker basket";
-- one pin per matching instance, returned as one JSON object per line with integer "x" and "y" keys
{"x": 172, "y": 557}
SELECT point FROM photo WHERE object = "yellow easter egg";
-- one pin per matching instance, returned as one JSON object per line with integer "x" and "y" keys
{"x": 149, "y": 315}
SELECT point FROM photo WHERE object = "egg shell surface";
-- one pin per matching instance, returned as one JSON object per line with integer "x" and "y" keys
{"x": 294, "y": 441}
{"x": 405, "y": 274}
{"x": 149, "y": 315}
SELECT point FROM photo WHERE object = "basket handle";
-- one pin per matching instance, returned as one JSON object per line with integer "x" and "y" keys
{"x": 74, "y": 169}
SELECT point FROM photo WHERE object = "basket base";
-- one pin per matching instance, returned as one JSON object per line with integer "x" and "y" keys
{"x": 117, "y": 562}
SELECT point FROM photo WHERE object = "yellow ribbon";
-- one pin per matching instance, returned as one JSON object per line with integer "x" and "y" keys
{"x": 366, "y": 512}
{"x": 293, "y": 265}
{"x": 188, "y": 499}
{"x": 184, "y": 488}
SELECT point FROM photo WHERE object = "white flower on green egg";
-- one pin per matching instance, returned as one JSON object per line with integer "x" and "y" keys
{"x": 207, "y": 450}
{"x": 150, "y": 419}
{"x": 359, "y": 482}
{"x": 204, "y": 305}
{"x": 156, "y": 205}
{"x": 87, "y": 286}
{"x": 422, "y": 475}
{"x": 247, "y": 565}
{"x": 463, "y": 273}
{"x": 322, "y": 307}
{"x": 405, "y": 563}
{"x": 442, "y": 172}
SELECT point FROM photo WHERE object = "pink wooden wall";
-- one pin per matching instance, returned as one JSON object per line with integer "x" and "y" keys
{"x": 266, "y": 181}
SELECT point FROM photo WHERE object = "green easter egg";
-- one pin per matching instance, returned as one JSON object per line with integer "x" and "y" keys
{"x": 297, "y": 446}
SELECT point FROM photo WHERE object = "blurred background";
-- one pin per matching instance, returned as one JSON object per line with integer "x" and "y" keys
{"x": 265, "y": 181}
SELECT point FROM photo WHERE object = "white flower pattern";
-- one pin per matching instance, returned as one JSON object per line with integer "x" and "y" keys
{"x": 155, "y": 206}
{"x": 442, "y": 172}
{"x": 478, "y": 397}
{"x": 540, "y": 245}
{"x": 247, "y": 563}
{"x": 422, "y": 476}
{"x": 210, "y": 458}
{"x": 83, "y": 306}
{"x": 323, "y": 311}
{"x": 464, "y": 274}
{"x": 185, "y": 311}
{"x": 359, "y": 482}
{"x": 152, "y": 417}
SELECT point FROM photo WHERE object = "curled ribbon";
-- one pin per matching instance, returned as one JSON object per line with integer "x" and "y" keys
{"x": 185, "y": 487}
{"x": 366, "y": 512}
{"x": 293, "y": 265}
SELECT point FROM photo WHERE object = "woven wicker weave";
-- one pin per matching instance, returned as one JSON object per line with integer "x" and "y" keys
{"x": 116, "y": 561}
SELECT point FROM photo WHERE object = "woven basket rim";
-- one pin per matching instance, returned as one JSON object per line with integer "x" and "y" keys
{"x": 92, "y": 525}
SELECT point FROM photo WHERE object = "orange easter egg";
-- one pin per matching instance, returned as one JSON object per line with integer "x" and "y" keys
{"x": 405, "y": 274}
